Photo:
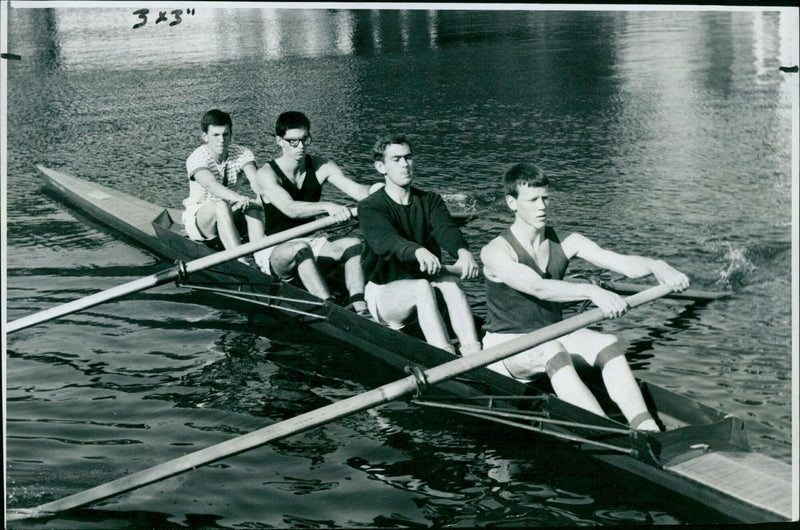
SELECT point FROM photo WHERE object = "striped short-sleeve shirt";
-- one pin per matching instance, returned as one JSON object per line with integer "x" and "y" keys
{"x": 229, "y": 173}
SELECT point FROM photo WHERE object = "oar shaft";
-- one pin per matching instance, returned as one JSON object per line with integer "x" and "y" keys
{"x": 339, "y": 409}
{"x": 169, "y": 275}
{"x": 689, "y": 294}
{"x": 119, "y": 291}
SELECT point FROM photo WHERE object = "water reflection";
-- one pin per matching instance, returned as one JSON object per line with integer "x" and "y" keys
{"x": 212, "y": 35}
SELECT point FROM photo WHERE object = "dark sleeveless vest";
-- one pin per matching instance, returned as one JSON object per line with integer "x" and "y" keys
{"x": 511, "y": 311}
{"x": 275, "y": 220}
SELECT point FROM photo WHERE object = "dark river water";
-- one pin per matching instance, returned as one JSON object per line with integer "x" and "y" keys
{"x": 666, "y": 133}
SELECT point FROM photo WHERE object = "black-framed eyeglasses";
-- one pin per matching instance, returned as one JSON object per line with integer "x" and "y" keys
{"x": 294, "y": 142}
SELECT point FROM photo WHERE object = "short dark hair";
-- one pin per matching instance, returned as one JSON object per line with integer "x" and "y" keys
{"x": 524, "y": 175}
{"x": 383, "y": 142}
{"x": 217, "y": 118}
{"x": 291, "y": 120}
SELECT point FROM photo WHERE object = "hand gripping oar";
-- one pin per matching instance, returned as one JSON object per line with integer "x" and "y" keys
{"x": 334, "y": 411}
{"x": 169, "y": 275}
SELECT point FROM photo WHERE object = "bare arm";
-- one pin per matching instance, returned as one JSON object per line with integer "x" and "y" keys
{"x": 331, "y": 172}
{"x": 271, "y": 190}
{"x": 207, "y": 180}
{"x": 629, "y": 265}
{"x": 250, "y": 172}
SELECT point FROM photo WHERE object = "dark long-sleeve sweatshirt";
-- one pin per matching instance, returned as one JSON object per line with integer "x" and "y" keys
{"x": 393, "y": 232}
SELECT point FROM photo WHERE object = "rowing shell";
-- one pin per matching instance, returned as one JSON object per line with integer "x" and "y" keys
{"x": 703, "y": 454}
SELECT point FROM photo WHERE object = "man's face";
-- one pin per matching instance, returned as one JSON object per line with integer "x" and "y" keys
{"x": 218, "y": 138}
{"x": 294, "y": 142}
{"x": 530, "y": 205}
{"x": 397, "y": 164}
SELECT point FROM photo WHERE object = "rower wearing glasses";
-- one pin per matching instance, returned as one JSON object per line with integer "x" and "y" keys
{"x": 405, "y": 229}
{"x": 216, "y": 206}
{"x": 291, "y": 188}
{"x": 524, "y": 269}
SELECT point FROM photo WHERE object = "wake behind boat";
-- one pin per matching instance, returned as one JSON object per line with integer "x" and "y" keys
{"x": 703, "y": 454}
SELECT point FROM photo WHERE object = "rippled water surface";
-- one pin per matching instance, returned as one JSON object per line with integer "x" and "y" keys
{"x": 666, "y": 134}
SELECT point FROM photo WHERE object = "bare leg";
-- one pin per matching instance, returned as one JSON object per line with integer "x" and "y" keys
{"x": 624, "y": 391}
{"x": 605, "y": 352}
{"x": 296, "y": 255}
{"x": 349, "y": 250}
{"x": 565, "y": 380}
{"x": 216, "y": 218}
{"x": 400, "y": 298}
{"x": 354, "y": 279}
{"x": 460, "y": 312}
{"x": 254, "y": 217}
{"x": 569, "y": 387}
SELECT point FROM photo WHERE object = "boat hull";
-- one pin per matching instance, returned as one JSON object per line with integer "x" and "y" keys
{"x": 677, "y": 459}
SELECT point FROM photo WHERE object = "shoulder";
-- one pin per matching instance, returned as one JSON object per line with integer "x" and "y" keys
{"x": 324, "y": 167}
{"x": 197, "y": 160}
{"x": 496, "y": 255}
{"x": 198, "y": 155}
{"x": 267, "y": 171}
{"x": 267, "y": 167}
{"x": 240, "y": 153}
{"x": 374, "y": 200}
{"x": 425, "y": 196}
{"x": 419, "y": 192}
{"x": 320, "y": 163}
{"x": 499, "y": 246}
{"x": 574, "y": 243}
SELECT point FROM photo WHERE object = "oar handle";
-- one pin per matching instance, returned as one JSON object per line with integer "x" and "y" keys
{"x": 339, "y": 409}
{"x": 171, "y": 274}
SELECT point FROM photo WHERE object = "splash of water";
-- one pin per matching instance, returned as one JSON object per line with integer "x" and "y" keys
{"x": 737, "y": 267}
{"x": 460, "y": 202}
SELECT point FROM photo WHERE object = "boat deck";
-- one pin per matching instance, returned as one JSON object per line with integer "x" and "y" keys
{"x": 752, "y": 477}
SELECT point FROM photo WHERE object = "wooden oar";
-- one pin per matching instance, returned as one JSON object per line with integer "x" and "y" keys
{"x": 169, "y": 275}
{"x": 689, "y": 294}
{"x": 323, "y": 415}
{"x": 624, "y": 288}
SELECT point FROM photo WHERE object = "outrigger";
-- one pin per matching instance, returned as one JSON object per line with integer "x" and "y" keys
{"x": 702, "y": 454}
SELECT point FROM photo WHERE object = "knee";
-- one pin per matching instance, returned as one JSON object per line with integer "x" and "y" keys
{"x": 611, "y": 354}
{"x": 451, "y": 289}
{"x": 293, "y": 251}
{"x": 352, "y": 247}
{"x": 558, "y": 359}
{"x": 222, "y": 209}
{"x": 423, "y": 291}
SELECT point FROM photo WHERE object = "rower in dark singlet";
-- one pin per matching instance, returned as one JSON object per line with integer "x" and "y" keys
{"x": 511, "y": 311}
{"x": 311, "y": 191}
{"x": 287, "y": 205}
{"x": 521, "y": 297}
